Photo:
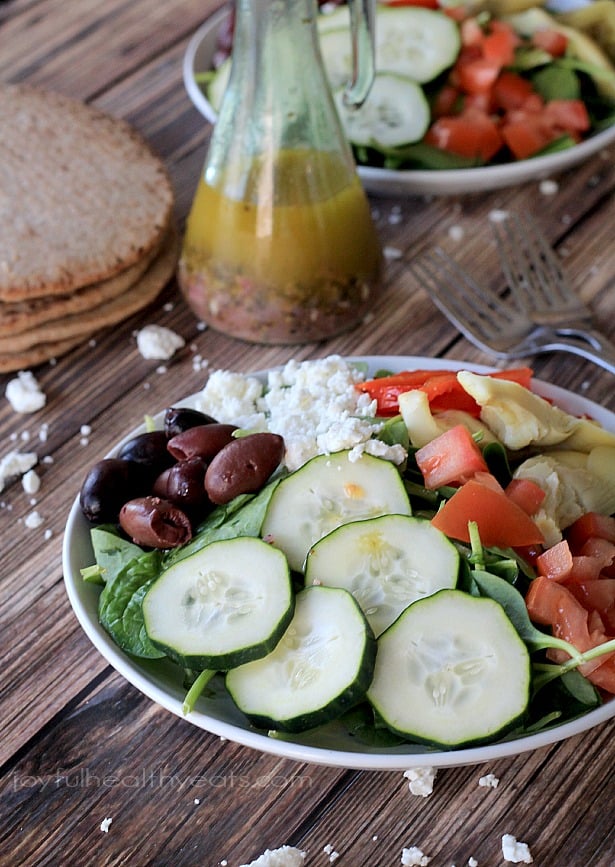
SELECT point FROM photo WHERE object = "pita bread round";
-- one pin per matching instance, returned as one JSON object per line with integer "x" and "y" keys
{"x": 18, "y": 316}
{"x": 53, "y": 339}
{"x": 82, "y": 196}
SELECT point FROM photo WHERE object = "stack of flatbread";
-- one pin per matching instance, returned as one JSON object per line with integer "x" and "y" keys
{"x": 86, "y": 224}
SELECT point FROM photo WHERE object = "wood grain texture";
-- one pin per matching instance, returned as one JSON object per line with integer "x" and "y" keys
{"x": 78, "y": 743}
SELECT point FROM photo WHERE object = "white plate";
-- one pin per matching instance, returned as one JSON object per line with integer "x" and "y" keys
{"x": 198, "y": 58}
{"x": 331, "y": 745}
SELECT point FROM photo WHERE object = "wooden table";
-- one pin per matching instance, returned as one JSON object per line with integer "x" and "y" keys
{"x": 78, "y": 743}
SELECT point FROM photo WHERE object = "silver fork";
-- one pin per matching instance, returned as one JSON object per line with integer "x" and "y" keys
{"x": 540, "y": 314}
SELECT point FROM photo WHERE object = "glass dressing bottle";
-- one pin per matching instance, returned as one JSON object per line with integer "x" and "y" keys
{"x": 279, "y": 245}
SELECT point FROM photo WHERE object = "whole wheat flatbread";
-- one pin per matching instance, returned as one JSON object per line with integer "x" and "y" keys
{"x": 13, "y": 361}
{"x": 18, "y": 316}
{"x": 52, "y": 339}
{"x": 82, "y": 196}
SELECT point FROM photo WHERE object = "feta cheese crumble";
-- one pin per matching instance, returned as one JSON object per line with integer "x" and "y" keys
{"x": 104, "y": 825}
{"x": 15, "y": 464}
{"x": 489, "y": 781}
{"x": 286, "y": 856}
{"x": 24, "y": 393}
{"x": 514, "y": 851}
{"x": 34, "y": 520}
{"x": 414, "y": 857}
{"x": 330, "y": 851}
{"x": 31, "y": 482}
{"x": 314, "y": 405}
{"x": 421, "y": 780}
{"x": 158, "y": 342}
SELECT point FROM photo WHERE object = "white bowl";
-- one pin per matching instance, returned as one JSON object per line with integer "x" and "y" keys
{"x": 329, "y": 745}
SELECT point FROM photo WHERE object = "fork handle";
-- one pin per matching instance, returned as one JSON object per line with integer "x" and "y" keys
{"x": 587, "y": 343}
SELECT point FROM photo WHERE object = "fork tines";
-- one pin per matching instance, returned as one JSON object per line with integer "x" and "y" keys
{"x": 477, "y": 312}
{"x": 532, "y": 269}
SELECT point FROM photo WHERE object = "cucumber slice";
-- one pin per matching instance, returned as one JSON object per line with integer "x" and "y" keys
{"x": 225, "y": 605}
{"x": 395, "y": 113}
{"x": 321, "y": 667}
{"x": 409, "y": 41}
{"x": 326, "y": 492}
{"x": 386, "y": 563}
{"x": 451, "y": 671}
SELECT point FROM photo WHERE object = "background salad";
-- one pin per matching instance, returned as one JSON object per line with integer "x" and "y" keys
{"x": 461, "y": 86}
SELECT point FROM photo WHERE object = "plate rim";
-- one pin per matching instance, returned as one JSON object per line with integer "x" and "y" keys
{"x": 420, "y": 181}
{"x": 133, "y": 671}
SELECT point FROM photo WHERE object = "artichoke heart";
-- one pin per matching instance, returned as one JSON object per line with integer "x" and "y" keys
{"x": 574, "y": 483}
{"x": 520, "y": 418}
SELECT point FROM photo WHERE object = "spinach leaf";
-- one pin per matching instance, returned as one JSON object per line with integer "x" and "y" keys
{"x": 120, "y": 609}
{"x": 513, "y": 604}
{"x": 243, "y": 516}
{"x": 394, "y": 432}
{"x": 111, "y": 552}
{"x": 556, "y": 81}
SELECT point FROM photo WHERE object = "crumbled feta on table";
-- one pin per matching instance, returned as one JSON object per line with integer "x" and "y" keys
{"x": 104, "y": 825}
{"x": 489, "y": 781}
{"x": 514, "y": 851}
{"x": 314, "y": 405}
{"x": 421, "y": 780}
{"x": 15, "y": 464}
{"x": 34, "y": 520}
{"x": 158, "y": 342}
{"x": 24, "y": 394}
{"x": 285, "y": 856}
{"x": 414, "y": 857}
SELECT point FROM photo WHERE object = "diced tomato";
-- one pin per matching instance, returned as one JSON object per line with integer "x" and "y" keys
{"x": 590, "y": 525}
{"x": 601, "y": 549}
{"x": 597, "y": 595}
{"x": 551, "y": 604}
{"x": 474, "y": 135}
{"x": 451, "y": 458}
{"x": 526, "y": 493}
{"x": 595, "y": 558}
{"x": 551, "y": 41}
{"x": 567, "y": 114}
{"x": 499, "y": 45}
{"x": 478, "y": 75}
{"x": 604, "y": 675}
{"x": 524, "y": 137}
{"x": 445, "y": 102}
{"x": 556, "y": 562}
{"x": 488, "y": 479}
{"x": 471, "y": 33}
{"x": 501, "y": 523}
{"x": 511, "y": 90}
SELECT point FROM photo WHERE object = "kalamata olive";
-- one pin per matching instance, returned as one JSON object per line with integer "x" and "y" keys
{"x": 148, "y": 449}
{"x": 179, "y": 419}
{"x": 159, "y": 487}
{"x": 107, "y": 485}
{"x": 203, "y": 441}
{"x": 243, "y": 466}
{"x": 155, "y": 523}
{"x": 186, "y": 483}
